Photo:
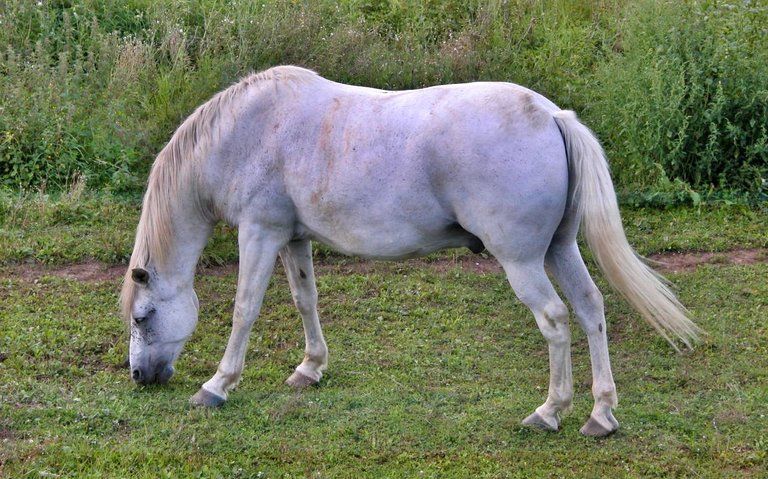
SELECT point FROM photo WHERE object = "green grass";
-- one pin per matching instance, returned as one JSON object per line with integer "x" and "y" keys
{"x": 710, "y": 228}
{"x": 431, "y": 370}
{"x": 80, "y": 226}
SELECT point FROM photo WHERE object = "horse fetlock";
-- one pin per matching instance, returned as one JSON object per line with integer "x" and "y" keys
{"x": 222, "y": 384}
{"x": 562, "y": 402}
{"x": 302, "y": 378}
{"x": 605, "y": 396}
{"x": 316, "y": 359}
{"x": 311, "y": 368}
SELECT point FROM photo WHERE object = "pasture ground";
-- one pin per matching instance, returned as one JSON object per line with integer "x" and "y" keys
{"x": 433, "y": 364}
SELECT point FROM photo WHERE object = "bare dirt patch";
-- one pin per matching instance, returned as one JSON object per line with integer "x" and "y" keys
{"x": 686, "y": 262}
{"x": 92, "y": 271}
{"x": 664, "y": 262}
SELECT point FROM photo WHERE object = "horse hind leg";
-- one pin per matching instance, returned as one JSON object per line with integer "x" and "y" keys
{"x": 297, "y": 259}
{"x": 533, "y": 288}
{"x": 567, "y": 266}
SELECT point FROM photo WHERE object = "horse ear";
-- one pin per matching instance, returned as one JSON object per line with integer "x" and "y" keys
{"x": 140, "y": 276}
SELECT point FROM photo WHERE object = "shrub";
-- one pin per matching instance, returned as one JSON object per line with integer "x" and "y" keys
{"x": 686, "y": 98}
{"x": 94, "y": 89}
{"x": 60, "y": 118}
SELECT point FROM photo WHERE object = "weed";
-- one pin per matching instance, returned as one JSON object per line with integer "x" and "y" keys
{"x": 689, "y": 108}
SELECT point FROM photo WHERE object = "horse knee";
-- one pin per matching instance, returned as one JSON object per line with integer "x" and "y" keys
{"x": 554, "y": 323}
{"x": 557, "y": 312}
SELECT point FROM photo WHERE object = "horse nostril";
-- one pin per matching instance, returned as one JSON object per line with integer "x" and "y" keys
{"x": 136, "y": 374}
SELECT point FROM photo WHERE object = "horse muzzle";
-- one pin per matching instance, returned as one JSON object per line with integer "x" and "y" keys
{"x": 158, "y": 374}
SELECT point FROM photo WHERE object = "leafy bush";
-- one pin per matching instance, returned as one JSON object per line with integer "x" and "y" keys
{"x": 687, "y": 96}
{"x": 94, "y": 89}
{"x": 61, "y": 116}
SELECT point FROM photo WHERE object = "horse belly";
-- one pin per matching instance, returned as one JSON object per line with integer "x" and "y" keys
{"x": 388, "y": 239}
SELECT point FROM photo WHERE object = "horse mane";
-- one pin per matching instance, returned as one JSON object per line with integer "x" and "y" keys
{"x": 175, "y": 174}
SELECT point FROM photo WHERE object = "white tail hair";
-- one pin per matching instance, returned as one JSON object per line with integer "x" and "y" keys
{"x": 594, "y": 202}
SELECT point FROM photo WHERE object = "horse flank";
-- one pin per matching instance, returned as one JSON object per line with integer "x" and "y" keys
{"x": 175, "y": 171}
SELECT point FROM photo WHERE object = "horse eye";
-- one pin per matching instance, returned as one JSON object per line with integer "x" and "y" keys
{"x": 147, "y": 315}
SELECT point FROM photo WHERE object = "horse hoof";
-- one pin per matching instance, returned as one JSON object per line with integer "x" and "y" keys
{"x": 593, "y": 428}
{"x": 538, "y": 421}
{"x": 206, "y": 398}
{"x": 299, "y": 380}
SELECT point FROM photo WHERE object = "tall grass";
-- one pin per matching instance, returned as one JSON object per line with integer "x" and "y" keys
{"x": 93, "y": 89}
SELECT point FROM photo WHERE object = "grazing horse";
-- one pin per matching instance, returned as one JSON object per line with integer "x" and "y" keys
{"x": 289, "y": 157}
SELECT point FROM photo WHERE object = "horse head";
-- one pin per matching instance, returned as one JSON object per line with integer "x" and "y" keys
{"x": 162, "y": 316}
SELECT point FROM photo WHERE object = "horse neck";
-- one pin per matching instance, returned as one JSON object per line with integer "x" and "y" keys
{"x": 191, "y": 233}
{"x": 172, "y": 234}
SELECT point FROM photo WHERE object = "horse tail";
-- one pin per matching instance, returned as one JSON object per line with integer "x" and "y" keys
{"x": 593, "y": 200}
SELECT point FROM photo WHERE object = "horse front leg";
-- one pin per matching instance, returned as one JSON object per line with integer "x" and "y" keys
{"x": 297, "y": 259}
{"x": 258, "y": 253}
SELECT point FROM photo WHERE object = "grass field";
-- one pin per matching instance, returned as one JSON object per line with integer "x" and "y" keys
{"x": 433, "y": 365}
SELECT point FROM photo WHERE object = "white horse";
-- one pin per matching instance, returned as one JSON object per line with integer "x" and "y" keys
{"x": 289, "y": 157}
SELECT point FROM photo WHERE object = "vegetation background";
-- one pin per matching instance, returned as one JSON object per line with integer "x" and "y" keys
{"x": 433, "y": 362}
{"x": 677, "y": 90}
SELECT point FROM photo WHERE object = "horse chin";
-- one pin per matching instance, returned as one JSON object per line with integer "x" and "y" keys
{"x": 158, "y": 371}
{"x": 159, "y": 374}
{"x": 164, "y": 375}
